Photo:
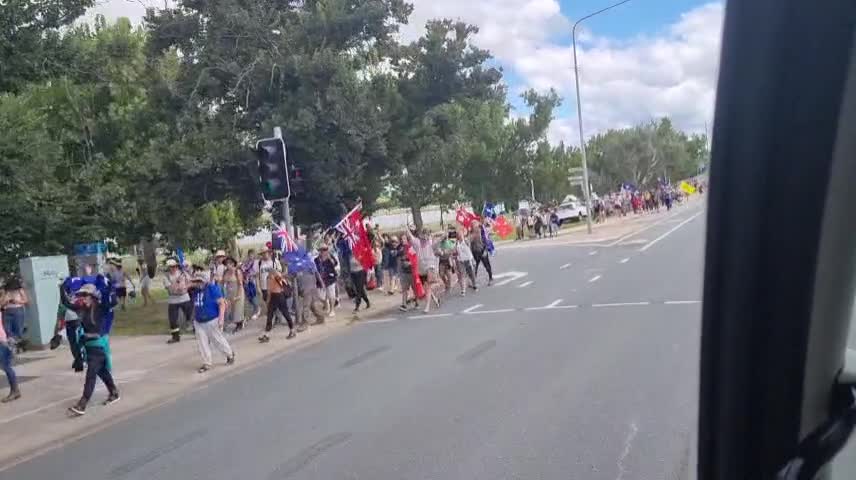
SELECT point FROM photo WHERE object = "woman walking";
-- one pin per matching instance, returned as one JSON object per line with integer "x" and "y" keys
{"x": 279, "y": 291}
{"x": 480, "y": 253}
{"x": 6, "y": 364}
{"x": 13, "y": 303}
{"x": 177, "y": 284}
{"x": 233, "y": 284}
{"x": 326, "y": 265}
{"x": 96, "y": 348}
{"x": 358, "y": 279}
{"x": 464, "y": 258}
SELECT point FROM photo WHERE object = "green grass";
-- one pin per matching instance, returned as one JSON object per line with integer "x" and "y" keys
{"x": 139, "y": 320}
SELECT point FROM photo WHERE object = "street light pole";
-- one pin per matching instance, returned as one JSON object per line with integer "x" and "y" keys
{"x": 586, "y": 186}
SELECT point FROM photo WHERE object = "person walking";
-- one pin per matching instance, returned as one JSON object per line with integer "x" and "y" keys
{"x": 6, "y": 357}
{"x": 444, "y": 258}
{"x": 250, "y": 272}
{"x": 120, "y": 281}
{"x": 480, "y": 253}
{"x": 464, "y": 263}
{"x": 210, "y": 316}
{"x": 406, "y": 274}
{"x": 146, "y": 285}
{"x": 377, "y": 252}
{"x": 233, "y": 286}
{"x": 424, "y": 247}
{"x": 177, "y": 283}
{"x": 326, "y": 266}
{"x": 13, "y": 303}
{"x": 391, "y": 252}
{"x": 267, "y": 265}
{"x": 279, "y": 292}
{"x": 358, "y": 278}
{"x": 307, "y": 299}
{"x": 96, "y": 349}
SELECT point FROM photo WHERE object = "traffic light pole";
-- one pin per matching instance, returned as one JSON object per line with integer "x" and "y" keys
{"x": 286, "y": 210}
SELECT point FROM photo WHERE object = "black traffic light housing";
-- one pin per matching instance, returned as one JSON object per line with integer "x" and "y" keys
{"x": 273, "y": 169}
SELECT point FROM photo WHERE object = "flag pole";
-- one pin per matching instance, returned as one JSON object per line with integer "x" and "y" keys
{"x": 357, "y": 207}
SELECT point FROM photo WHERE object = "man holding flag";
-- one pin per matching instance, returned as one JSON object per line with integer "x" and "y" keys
{"x": 357, "y": 252}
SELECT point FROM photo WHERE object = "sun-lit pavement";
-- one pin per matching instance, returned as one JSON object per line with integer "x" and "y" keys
{"x": 580, "y": 363}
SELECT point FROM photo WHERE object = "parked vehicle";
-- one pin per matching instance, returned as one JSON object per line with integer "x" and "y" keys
{"x": 571, "y": 211}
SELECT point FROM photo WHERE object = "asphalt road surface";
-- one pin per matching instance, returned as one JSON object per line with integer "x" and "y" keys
{"x": 600, "y": 385}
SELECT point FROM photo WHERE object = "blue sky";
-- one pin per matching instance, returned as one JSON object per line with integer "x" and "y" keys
{"x": 639, "y": 61}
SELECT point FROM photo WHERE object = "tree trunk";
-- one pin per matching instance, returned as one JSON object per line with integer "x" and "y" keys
{"x": 150, "y": 254}
{"x": 416, "y": 211}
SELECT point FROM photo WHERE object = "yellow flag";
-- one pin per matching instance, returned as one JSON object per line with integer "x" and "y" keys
{"x": 687, "y": 188}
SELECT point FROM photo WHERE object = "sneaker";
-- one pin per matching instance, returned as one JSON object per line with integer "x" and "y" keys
{"x": 204, "y": 368}
{"x": 231, "y": 359}
{"x": 13, "y": 395}
{"x": 332, "y": 313}
{"x": 77, "y": 410}
{"x": 403, "y": 308}
{"x": 356, "y": 309}
{"x": 463, "y": 293}
{"x": 112, "y": 398}
{"x": 173, "y": 340}
{"x": 291, "y": 335}
{"x": 264, "y": 339}
{"x": 490, "y": 282}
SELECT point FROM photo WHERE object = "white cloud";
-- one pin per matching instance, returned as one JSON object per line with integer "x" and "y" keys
{"x": 623, "y": 82}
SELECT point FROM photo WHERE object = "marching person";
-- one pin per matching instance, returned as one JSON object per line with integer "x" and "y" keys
{"x": 279, "y": 291}
{"x": 12, "y": 302}
{"x": 146, "y": 285}
{"x": 96, "y": 347}
{"x": 250, "y": 271}
{"x": 480, "y": 253}
{"x": 464, "y": 258}
{"x": 233, "y": 286}
{"x": 218, "y": 267}
{"x": 405, "y": 275}
{"x": 326, "y": 266}
{"x": 391, "y": 251}
{"x": 177, "y": 283}
{"x": 267, "y": 264}
{"x": 120, "y": 281}
{"x": 210, "y": 315}
{"x": 6, "y": 363}
{"x": 359, "y": 277}
{"x": 307, "y": 299}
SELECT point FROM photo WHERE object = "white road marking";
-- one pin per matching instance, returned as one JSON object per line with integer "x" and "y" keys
{"x": 501, "y": 310}
{"x": 474, "y": 307}
{"x": 380, "y": 320}
{"x": 682, "y": 302}
{"x": 526, "y": 284}
{"x": 594, "y": 278}
{"x": 513, "y": 276}
{"x": 671, "y": 230}
{"x": 39, "y": 409}
{"x": 628, "y": 442}
{"x": 620, "y": 304}
{"x": 429, "y": 315}
{"x": 593, "y": 252}
{"x": 552, "y": 306}
{"x": 624, "y": 260}
{"x": 564, "y": 266}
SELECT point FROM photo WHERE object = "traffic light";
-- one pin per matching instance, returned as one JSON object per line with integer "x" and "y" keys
{"x": 273, "y": 169}
{"x": 295, "y": 180}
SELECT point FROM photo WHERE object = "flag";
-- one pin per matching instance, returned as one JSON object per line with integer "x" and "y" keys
{"x": 489, "y": 211}
{"x": 485, "y": 235}
{"x": 179, "y": 255}
{"x": 418, "y": 288}
{"x": 687, "y": 188}
{"x": 465, "y": 218}
{"x": 283, "y": 241}
{"x": 298, "y": 261}
{"x": 355, "y": 236}
{"x": 502, "y": 227}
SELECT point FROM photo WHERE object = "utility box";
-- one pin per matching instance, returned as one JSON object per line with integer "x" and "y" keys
{"x": 42, "y": 276}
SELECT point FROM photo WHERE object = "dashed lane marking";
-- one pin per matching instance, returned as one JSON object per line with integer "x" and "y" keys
{"x": 624, "y": 260}
{"x": 526, "y": 284}
{"x": 593, "y": 252}
{"x": 619, "y": 304}
{"x": 471, "y": 309}
{"x": 594, "y": 278}
{"x": 482, "y": 312}
{"x": 555, "y": 305}
{"x": 564, "y": 266}
{"x": 430, "y": 315}
{"x": 682, "y": 302}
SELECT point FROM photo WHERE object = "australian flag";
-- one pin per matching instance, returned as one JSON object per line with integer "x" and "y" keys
{"x": 298, "y": 261}
{"x": 489, "y": 211}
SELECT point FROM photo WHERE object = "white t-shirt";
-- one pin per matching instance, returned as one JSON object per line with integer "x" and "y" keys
{"x": 265, "y": 267}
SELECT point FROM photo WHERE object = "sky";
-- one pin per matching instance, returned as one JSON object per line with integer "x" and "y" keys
{"x": 637, "y": 62}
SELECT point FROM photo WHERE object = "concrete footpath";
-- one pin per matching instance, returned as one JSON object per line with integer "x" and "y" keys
{"x": 148, "y": 372}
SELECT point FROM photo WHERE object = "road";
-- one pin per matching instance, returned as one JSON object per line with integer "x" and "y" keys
{"x": 601, "y": 385}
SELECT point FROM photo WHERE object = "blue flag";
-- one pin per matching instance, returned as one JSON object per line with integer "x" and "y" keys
{"x": 488, "y": 243}
{"x": 489, "y": 211}
{"x": 179, "y": 254}
{"x": 299, "y": 261}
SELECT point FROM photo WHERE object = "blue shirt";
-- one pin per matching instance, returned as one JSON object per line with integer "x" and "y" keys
{"x": 205, "y": 300}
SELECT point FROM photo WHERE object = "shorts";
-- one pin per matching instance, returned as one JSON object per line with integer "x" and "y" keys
{"x": 328, "y": 292}
{"x": 406, "y": 280}
{"x": 121, "y": 292}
